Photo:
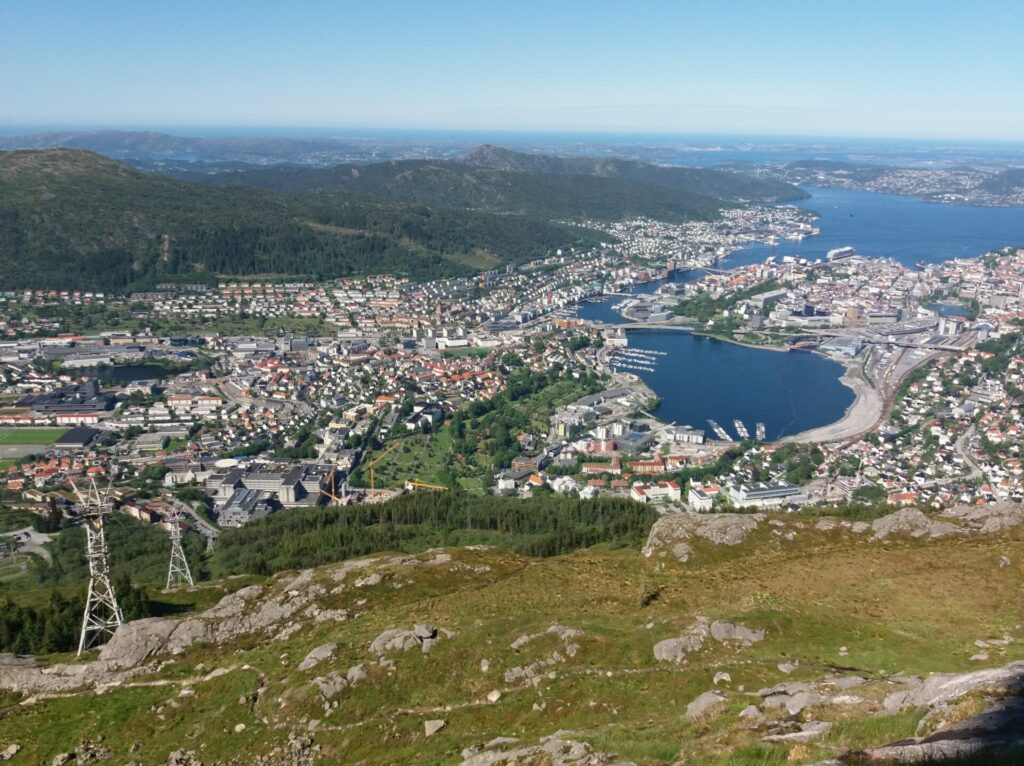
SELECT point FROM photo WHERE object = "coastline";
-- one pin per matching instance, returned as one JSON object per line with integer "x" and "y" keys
{"x": 864, "y": 414}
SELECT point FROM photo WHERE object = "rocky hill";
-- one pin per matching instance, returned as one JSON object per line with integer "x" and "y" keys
{"x": 739, "y": 639}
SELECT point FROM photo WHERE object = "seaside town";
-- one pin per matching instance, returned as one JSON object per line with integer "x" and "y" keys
{"x": 357, "y": 390}
{"x": 958, "y": 184}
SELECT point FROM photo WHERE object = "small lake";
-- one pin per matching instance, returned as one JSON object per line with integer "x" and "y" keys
{"x": 949, "y": 309}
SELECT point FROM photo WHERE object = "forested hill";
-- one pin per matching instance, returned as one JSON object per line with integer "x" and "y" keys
{"x": 720, "y": 184}
{"x": 534, "y": 185}
{"x": 74, "y": 219}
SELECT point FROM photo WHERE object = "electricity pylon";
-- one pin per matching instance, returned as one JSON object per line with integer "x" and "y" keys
{"x": 102, "y": 613}
{"x": 178, "y": 573}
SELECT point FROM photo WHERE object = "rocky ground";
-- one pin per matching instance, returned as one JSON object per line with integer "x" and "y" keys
{"x": 730, "y": 639}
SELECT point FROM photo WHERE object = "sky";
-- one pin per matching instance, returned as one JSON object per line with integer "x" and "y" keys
{"x": 899, "y": 68}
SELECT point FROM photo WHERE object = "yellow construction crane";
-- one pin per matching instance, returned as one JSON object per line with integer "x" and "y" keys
{"x": 376, "y": 460}
{"x": 332, "y": 495}
{"x": 417, "y": 484}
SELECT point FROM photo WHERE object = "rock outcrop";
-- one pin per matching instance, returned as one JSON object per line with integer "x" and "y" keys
{"x": 693, "y": 640}
{"x": 675, "y": 531}
{"x": 555, "y": 750}
{"x": 421, "y": 637}
{"x": 674, "y": 534}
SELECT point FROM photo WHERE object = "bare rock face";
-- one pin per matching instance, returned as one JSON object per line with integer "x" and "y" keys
{"x": 988, "y": 519}
{"x": 234, "y": 615}
{"x": 1000, "y": 726}
{"x": 674, "y": 532}
{"x": 551, "y": 751}
{"x": 913, "y": 523}
{"x": 941, "y": 688}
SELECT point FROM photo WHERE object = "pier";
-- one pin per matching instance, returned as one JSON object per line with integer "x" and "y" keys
{"x": 741, "y": 429}
{"x": 719, "y": 431}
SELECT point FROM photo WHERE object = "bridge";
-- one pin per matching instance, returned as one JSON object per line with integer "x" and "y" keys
{"x": 655, "y": 326}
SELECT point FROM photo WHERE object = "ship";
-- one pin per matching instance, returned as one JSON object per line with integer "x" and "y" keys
{"x": 839, "y": 253}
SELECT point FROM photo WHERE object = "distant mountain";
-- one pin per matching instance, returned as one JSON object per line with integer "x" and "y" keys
{"x": 535, "y": 185}
{"x": 70, "y": 218}
{"x": 148, "y": 146}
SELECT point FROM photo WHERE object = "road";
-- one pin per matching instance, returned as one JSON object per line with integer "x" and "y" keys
{"x": 200, "y": 524}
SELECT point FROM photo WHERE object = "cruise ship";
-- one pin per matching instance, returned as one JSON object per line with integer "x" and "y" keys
{"x": 838, "y": 253}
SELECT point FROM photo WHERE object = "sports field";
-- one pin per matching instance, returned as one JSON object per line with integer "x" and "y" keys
{"x": 30, "y": 435}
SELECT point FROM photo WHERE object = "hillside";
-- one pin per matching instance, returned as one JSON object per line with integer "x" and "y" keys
{"x": 721, "y": 184}
{"x": 1009, "y": 181}
{"x": 731, "y": 639}
{"x": 535, "y": 185}
{"x": 73, "y": 219}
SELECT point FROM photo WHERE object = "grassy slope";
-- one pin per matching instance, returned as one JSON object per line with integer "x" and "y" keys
{"x": 911, "y": 606}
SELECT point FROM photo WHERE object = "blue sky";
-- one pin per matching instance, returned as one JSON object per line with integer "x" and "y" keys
{"x": 900, "y": 68}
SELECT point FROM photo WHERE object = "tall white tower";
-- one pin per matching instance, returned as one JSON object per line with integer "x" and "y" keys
{"x": 102, "y": 613}
{"x": 178, "y": 573}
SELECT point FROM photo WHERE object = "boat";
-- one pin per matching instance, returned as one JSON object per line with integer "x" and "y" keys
{"x": 839, "y": 253}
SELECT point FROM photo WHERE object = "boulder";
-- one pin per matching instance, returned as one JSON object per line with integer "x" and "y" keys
{"x": 430, "y": 728}
{"x": 318, "y": 655}
{"x": 10, "y": 751}
{"x": 723, "y": 631}
{"x": 675, "y": 649}
{"x": 331, "y": 684}
{"x": 704, "y": 704}
{"x": 800, "y": 700}
{"x": 183, "y": 758}
{"x": 356, "y": 673}
{"x": 400, "y": 640}
{"x": 805, "y": 733}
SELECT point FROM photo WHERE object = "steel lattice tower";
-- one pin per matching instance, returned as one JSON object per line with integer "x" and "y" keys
{"x": 178, "y": 573}
{"x": 102, "y": 613}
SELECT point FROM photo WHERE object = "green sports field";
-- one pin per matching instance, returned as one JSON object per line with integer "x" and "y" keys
{"x": 30, "y": 435}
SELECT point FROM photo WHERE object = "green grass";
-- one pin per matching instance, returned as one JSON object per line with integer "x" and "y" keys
{"x": 471, "y": 351}
{"x": 14, "y": 569}
{"x": 914, "y": 606}
{"x": 39, "y": 436}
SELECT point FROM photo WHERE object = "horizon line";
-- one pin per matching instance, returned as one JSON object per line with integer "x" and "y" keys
{"x": 363, "y": 133}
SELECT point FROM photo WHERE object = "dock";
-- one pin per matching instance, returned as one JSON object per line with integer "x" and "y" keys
{"x": 741, "y": 429}
{"x": 719, "y": 431}
{"x": 760, "y": 432}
